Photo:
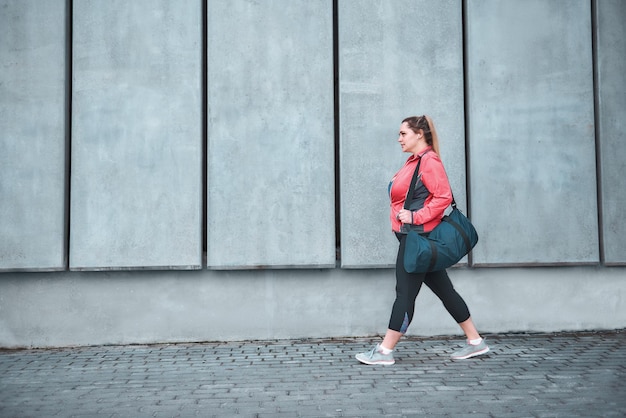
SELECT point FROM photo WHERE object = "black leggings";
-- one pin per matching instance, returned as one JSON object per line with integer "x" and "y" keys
{"x": 408, "y": 287}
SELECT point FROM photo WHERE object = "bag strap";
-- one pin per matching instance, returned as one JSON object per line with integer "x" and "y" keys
{"x": 409, "y": 193}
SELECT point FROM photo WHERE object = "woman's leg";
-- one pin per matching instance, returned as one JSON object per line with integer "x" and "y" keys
{"x": 469, "y": 329}
{"x": 391, "y": 339}
{"x": 407, "y": 288}
{"x": 440, "y": 284}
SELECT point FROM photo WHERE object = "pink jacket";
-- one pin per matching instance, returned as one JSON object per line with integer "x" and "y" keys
{"x": 431, "y": 197}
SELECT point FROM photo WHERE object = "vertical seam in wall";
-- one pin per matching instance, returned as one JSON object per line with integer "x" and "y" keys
{"x": 337, "y": 134}
{"x": 466, "y": 111}
{"x": 68, "y": 129}
{"x": 596, "y": 122}
{"x": 204, "y": 185}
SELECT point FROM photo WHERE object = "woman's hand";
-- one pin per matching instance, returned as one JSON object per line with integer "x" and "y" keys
{"x": 405, "y": 216}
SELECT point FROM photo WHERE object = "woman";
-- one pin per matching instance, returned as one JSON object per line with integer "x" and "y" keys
{"x": 430, "y": 199}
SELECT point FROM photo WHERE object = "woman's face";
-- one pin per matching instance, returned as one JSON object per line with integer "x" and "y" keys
{"x": 408, "y": 139}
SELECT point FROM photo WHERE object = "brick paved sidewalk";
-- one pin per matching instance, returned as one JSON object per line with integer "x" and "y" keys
{"x": 537, "y": 375}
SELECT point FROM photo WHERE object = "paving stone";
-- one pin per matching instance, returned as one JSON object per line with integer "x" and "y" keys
{"x": 525, "y": 375}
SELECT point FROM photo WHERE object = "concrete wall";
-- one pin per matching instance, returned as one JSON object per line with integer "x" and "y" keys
{"x": 270, "y": 171}
{"x": 611, "y": 106}
{"x": 136, "y": 180}
{"x": 291, "y": 109}
{"x": 121, "y": 307}
{"x": 531, "y": 132}
{"x": 33, "y": 135}
{"x": 387, "y": 73}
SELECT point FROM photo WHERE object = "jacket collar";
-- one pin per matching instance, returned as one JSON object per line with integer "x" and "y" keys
{"x": 421, "y": 154}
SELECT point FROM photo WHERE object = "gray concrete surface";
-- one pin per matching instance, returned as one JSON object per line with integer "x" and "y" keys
{"x": 531, "y": 132}
{"x": 540, "y": 375}
{"x": 271, "y": 172}
{"x": 611, "y": 79}
{"x": 32, "y": 135}
{"x": 86, "y": 308}
{"x": 396, "y": 59}
{"x": 136, "y": 148}
{"x": 136, "y": 186}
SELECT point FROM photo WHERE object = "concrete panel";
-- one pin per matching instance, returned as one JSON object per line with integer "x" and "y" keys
{"x": 270, "y": 134}
{"x": 121, "y": 307}
{"x": 531, "y": 132}
{"x": 396, "y": 59}
{"x": 611, "y": 62}
{"x": 32, "y": 134}
{"x": 136, "y": 186}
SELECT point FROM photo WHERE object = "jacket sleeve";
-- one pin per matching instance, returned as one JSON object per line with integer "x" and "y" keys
{"x": 436, "y": 181}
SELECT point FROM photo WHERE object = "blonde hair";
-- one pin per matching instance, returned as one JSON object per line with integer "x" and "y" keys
{"x": 425, "y": 123}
